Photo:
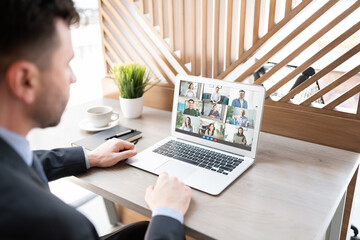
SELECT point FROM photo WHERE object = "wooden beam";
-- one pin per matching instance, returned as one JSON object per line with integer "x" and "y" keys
{"x": 151, "y": 12}
{"x": 310, "y": 127}
{"x": 286, "y": 40}
{"x": 256, "y": 21}
{"x": 141, "y": 2}
{"x": 288, "y": 6}
{"x": 345, "y": 96}
{"x": 171, "y": 24}
{"x": 229, "y": 14}
{"x": 272, "y": 8}
{"x": 350, "y": 193}
{"x": 161, "y": 17}
{"x": 313, "y": 59}
{"x": 258, "y": 44}
{"x": 101, "y": 20}
{"x": 204, "y": 38}
{"x": 215, "y": 57}
{"x": 331, "y": 86}
{"x": 358, "y": 109}
{"x": 182, "y": 30}
{"x": 193, "y": 36}
{"x": 321, "y": 73}
{"x": 307, "y": 43}
{"x": 242, "y": 29}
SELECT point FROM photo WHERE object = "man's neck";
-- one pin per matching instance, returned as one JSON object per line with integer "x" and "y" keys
{"x": 13, "y": 118}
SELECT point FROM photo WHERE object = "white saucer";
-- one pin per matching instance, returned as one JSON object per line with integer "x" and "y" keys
{"x": 86, "y": 125}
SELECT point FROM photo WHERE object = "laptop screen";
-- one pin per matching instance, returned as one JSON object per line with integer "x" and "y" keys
{"x": 218, "y": 113}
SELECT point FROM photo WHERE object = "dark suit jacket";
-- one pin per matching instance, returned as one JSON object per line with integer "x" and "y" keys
{"x": 29, "y": 211}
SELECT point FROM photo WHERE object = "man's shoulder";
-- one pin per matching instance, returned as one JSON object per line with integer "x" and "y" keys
{"x": 26, "y": 206}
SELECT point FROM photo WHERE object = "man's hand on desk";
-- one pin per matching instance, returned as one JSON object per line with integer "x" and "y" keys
{"x": 111, "y": 152}
{"x": 168, "y": 192}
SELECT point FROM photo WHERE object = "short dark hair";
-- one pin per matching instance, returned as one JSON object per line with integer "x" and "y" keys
{"x": 28, "y": 29}
{"x": 191, "y": 100}
{"x": 241, "y": 91}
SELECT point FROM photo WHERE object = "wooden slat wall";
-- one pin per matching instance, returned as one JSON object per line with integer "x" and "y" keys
{"x": 182, "y": 30}
{"x": 255, "y": 47}
{"x": 307, "y": 43}
{"x": 285, "y": 41}
{"x": 321, "y": 73}
{"x": 314, "y": 58}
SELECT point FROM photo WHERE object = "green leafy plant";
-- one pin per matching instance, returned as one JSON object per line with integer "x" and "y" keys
{"x": 179, "y": 119}
{"x": 131, "y": 79}
{"x": 230, "y": 112}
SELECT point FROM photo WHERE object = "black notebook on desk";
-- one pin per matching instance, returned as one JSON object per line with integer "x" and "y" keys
{"x": 119, "y": 132}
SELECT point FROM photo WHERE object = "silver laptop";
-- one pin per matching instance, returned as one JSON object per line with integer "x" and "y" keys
{"x": 214, "y": 133}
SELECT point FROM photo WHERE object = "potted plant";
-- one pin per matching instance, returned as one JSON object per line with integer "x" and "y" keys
{"x": 131, "y": 79}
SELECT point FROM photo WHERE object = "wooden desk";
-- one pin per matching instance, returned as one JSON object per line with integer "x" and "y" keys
{"x": 291, "y": 192}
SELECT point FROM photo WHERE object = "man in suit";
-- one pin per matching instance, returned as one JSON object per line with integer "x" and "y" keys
{"x": 214, "y": 113}
{"x": 35, "y": 77}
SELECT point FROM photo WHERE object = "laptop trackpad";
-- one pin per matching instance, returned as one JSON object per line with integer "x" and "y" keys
{"x": 177, "y": 169}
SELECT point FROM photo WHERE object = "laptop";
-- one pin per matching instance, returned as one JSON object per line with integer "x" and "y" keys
{"x": 215, "y": 129}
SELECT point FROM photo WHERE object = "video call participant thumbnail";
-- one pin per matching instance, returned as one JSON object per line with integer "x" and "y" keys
{"x": 210, "y": 131}
{"x": 190, "y": 110}
{"x": 215, "y": 96}
{"x": 239, "y": 136}
{"x": 240, "y": 102}
{"x": 190, "y": 91}
{"x": 242, "y": 120}
{"x": 187, "y": 125}
{"x": 214, "y": 113}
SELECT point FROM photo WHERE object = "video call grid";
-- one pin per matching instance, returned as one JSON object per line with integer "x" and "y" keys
{"x": 216, "y": 113}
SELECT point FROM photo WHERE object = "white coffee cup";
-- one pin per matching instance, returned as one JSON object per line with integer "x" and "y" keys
{"x": 100, "y": 116}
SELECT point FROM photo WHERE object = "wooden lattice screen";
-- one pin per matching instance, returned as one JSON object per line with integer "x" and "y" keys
{"x": 240, "y": 40}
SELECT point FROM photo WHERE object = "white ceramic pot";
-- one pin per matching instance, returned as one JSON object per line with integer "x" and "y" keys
{"x": 131, "y": 107}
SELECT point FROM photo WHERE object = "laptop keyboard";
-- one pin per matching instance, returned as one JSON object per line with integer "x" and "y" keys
{"x": 200, "y": 157}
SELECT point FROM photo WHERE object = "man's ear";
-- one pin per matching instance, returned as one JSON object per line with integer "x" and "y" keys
{"x": 23, "y": 78}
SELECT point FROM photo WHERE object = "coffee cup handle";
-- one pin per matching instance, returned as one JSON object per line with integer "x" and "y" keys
{"x": 114, "y": 116}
